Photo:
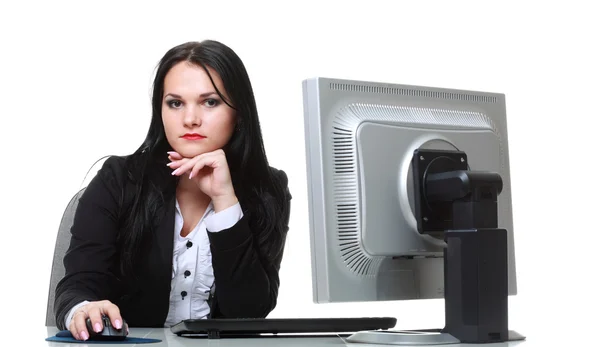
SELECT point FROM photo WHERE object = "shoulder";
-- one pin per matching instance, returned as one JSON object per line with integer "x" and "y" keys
{"x": 114, "y": 169}
{"x": 111, "y": 177}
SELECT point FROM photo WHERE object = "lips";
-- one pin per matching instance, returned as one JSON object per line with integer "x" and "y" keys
{"x": 193, "y": 137}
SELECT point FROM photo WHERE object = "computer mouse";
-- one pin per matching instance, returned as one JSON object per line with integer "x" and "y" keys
{"x": 108, "y": 333}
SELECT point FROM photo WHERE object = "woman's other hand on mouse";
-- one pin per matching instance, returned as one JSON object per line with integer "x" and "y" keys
{"x": 94, "y": 310}
{"x": 210, "y": 172}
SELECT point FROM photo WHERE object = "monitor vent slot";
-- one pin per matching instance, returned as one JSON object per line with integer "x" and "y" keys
{"x": 346, "y": 198}
{"x": 362, "y": 88}
{"x": 347, "y": 202}
{"x": 345, "y": 172}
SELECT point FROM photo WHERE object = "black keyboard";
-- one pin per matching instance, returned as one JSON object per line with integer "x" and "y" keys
{"x": 217, "y": 328}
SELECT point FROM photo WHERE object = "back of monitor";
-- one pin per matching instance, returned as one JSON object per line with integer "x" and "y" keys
{"x": 360, "y": 138}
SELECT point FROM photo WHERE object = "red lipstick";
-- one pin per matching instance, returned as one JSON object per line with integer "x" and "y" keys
{"x": 193, "y": 136}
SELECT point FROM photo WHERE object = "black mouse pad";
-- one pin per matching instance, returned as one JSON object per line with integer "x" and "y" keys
{"x": 67, "y": 337}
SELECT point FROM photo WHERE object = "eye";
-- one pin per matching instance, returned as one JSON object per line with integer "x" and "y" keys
{"x": 211, "y": 102}
{"x": 174, "y": 103}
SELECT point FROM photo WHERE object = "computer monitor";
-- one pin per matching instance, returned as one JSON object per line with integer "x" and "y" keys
{"x": 409, "y": 198}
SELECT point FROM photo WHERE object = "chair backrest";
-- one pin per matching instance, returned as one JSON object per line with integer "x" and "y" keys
{"x": 63, "y": 239}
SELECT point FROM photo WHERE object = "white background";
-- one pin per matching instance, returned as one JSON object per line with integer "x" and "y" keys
{"x": 75, "y": 86}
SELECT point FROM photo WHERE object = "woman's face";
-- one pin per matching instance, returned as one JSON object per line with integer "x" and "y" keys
{"x": 195, "y": 118}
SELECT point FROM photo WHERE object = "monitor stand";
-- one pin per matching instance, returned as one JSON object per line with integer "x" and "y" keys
{"x": 476, "y": 298}
{"x": 462, "y": 206}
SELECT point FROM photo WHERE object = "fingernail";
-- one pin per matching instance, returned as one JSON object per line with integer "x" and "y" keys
{"x": 169, "y": 164}
{"x": 97, "y": 327}
{"x": 191, "y": 174}
{"x": 175, "y": 172}
{"x": 83, "y": 335}
{"x": 118, "y": 324}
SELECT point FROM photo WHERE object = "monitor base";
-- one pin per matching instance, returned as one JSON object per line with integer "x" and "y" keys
{"x": 413, "y": 337}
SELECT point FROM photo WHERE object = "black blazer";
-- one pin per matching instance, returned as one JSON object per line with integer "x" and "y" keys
{"x": 246, "y": 285}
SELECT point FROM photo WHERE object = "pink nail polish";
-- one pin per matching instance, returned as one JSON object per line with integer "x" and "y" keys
{"x": 118, "y": 324}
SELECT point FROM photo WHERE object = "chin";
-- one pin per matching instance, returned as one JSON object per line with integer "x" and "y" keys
{"x": 187, "y": 153}
{"x": 190, "y": 152}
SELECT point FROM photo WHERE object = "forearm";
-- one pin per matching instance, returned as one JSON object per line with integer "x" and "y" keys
{"x": 246, "y": 262}
{"x": 245, "y": 287}
{"x": 248, "y": 291}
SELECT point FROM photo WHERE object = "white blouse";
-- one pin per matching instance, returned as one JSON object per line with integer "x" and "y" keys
{"x": 192, "y": 275}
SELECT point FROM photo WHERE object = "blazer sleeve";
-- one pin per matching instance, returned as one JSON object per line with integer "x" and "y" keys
{"x": 92, "y": 254}
{"x": 246, "y": 284}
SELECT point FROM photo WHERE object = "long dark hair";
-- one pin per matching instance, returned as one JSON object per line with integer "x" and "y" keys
{"x": 261, "y": 195}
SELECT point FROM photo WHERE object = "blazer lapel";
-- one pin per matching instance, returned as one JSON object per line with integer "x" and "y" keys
{"x": 164, "y": 236}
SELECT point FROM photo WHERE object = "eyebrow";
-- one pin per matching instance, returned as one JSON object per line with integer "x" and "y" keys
{"x": 203, "y": 95}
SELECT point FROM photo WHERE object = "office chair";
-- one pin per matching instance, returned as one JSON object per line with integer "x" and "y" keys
{"x": 63, "y": 239}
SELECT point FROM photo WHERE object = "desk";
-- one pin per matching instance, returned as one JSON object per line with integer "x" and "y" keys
{"x": 171, "y": 340}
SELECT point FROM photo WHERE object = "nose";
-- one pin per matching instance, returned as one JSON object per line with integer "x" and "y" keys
{"x": 192, "y": 117}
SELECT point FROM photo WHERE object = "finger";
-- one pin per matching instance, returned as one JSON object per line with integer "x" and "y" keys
{"x": 216, "y": 156}
{"x": 113, "y": 312}
{"x": 175, "y": 155}
{"x": 177, "y": 163}
{"x": 201, "y": 164}
{"x": 96, "y": 318}
{"x": 73, "y": 329}
{"x": 80, "y": 327}
{"x": 186, "y": 166}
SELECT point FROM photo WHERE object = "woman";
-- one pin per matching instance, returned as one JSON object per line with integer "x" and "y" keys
{"x": 191, "y": 225}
